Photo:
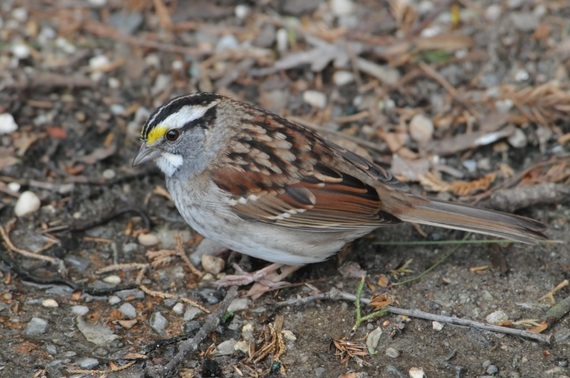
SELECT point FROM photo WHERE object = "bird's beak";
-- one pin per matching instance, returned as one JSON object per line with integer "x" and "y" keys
{"x": 145, "y": 154}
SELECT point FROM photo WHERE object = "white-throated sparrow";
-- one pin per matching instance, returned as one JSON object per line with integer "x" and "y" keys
{"x": 264, "y": 186}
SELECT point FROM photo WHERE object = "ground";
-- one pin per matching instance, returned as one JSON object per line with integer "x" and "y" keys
{"x": 464, "y": 101}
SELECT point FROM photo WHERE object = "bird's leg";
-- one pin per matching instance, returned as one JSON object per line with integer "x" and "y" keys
{"x": 263, "y": 280}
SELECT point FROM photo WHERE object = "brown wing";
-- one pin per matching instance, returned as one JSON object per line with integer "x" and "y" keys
{"x": 305, "y": 182}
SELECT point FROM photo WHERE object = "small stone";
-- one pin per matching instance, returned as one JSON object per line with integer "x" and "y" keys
{"x": 437, "y": 326}
{"x": 392, "y": 352}
{"x": 493, "y": 13}
{"x": 50, "y": 303}
{"x": 191, "y": 313}
{"x": 20, "y": 51}
{"x": 178, "y": 308}
{"x": 341, "y": 78}
{"x": 36, "y": 326}
{"x": 113, "y": 299}
{"x": 148, "y": 240}
{"x": 51, "y": 349}
{"x": 282, "y": 40}
{"x": 113, "y": 280}
{"x": 226, "y": 348}
{"x": 128, "y": 310}
{"x": 14, "y": 187}
{"x": 342, "y": 7}
{"x": 27, "y": 203}
{"x": 87, "y": 363}
{"x": 242, "y": 346}
{"x": 213, "y": 264}
{"x": 7, "y": 123}
{"x": 97, "y": 63}
{"x": 497, "y": 317}
{"x": 247, "y": 332}
{"x": 421, "y": 129}
{"x": 242, "y": 11}
{"x": 80, "y": 310}
{"x": 239, "y": 304}
{"x": 315, "y": 98}
{"x": 158, "y": 322}
{"x": 492, "y": 369}
{"x": 227, "y": 42}
{"x": 373, "y": 339}
{"x": 288, "y": 335}
{"x": 416, "y": 373}
{"x": 518, "y": 139}
{"x": 98, "y": 335}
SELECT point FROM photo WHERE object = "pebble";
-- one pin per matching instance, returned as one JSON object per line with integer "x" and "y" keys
{"x": 14, "y": 187}
{"x": 148, "y": 240}
{"x": 20, "y": 51}
{"x": 239, "y": 304}
{"x": 247, "y": 332}
{"x": 497, "y": 317}
{"x": 113, "y": 299}
{"x": 113, "y": 280}
{"x": 191, "y": 313}
{"x": 98, "y": 62}
{"x": 213, "y": 264}
{"x": 50, "y": 303}
{"x": 87, "y": 363}
{"x": 437, "y": 326}
{"x": 158, "y": 322}
{"x": 282, "y": 40}
{"x": 128, "y": 310}
{"x": 416, "y": 373}
{"x": 27, "y": 203}
{"x": 421, "y": 129}
{"x": 20, "y": 14}
{"x": 242, "y": 346}
{"x": 227, "y": 42}
{"x": 288, "y": 335}
{"x": 341, "y": 7}
{"x": 341, "y": 78}
{"x": 79, "y": 310}
{"x": 226, "y": 348}
{"x": 98, "y": 335}
{"x": 373, "y": 339}
{"x": 493, "y": 13}
{"x": 7, "y": 123}
{"x": 212, "y": 296}
{"x": 178, "y": 308}
{"x": 51, "y": 349}
{"x": 392, "y": 352}
{"x": 242, "y": 11}
{"x": 518, "y": 139}
{"x": 492, "y": 369}
{"x": 315, "y": 98}
{"x": 36, "y": 326}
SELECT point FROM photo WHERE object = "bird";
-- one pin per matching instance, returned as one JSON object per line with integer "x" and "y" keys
{"x": 254, "y": 182}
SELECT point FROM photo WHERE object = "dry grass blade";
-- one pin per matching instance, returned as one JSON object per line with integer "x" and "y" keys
{"x": 347, "y": 350}
{"x": 542, "y": 104}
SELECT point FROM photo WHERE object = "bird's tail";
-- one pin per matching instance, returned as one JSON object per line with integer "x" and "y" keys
{"x": 467, "y": 218}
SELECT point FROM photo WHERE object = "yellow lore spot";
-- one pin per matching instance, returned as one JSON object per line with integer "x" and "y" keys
{"x": 155, "y": 134}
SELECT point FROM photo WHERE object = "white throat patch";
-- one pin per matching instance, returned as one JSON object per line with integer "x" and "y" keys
{"x": 169, "y": 163}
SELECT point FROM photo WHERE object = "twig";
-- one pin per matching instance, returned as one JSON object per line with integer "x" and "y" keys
{"x": 163, "y": 295}
{"x": 23, "y": 252}
{"x": 335, "y": 294}
{"x": 556, "y": 312}
{"x": 192, "y": 344}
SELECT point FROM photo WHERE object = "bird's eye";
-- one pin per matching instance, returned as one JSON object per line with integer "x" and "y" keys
{"x": 172, "y": 135}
